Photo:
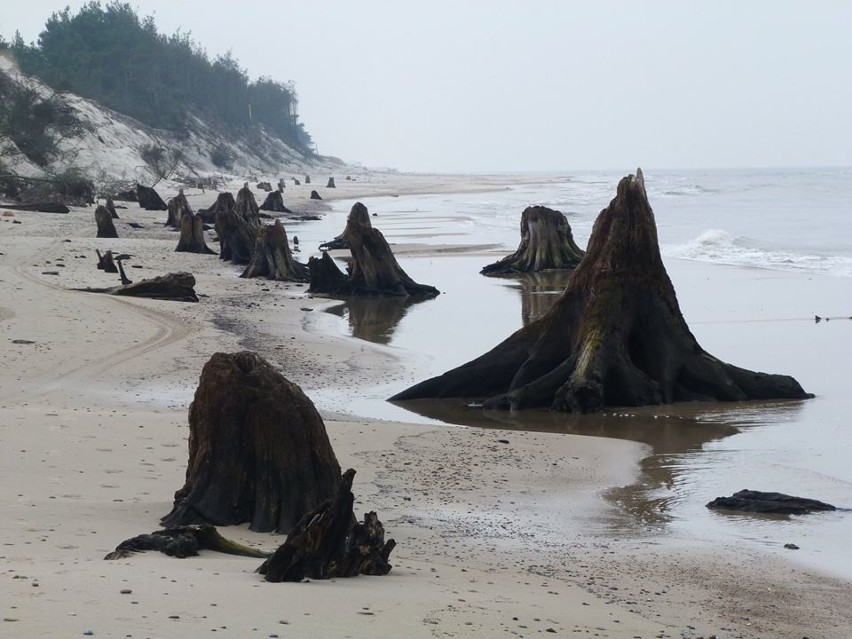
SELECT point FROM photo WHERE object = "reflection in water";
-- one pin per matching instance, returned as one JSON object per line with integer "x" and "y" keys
{"x": 539, "y": 291}
{"x": 373, "y": 318}
{"x": 675, "y": 433}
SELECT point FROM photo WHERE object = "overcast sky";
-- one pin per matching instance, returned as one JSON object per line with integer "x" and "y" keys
{"x": 502, "y": 85}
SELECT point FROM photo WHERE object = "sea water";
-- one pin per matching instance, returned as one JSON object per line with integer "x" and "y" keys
{"x": 766, "y": 233}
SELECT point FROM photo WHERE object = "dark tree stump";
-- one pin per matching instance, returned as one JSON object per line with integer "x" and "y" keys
{"x": 755, "y": 501}
{"x": 237, "y": 237}
{"x": 357, "y": 215}
{"x": 104, "y": 221}
{"x": 273, "y": 259}
{"x": 106, "y": 262}
{"x": 373, "y": 269}
{"x": 182, "y": 542}
{"x": 192, "y": 235}
{"x": 149, "y": 199}
{"x": 282, "y": 184}
{"x": 615, "y": 337}
{"x": 124, "y": 279}
{"x": 176, "y": 287}
{"x": 224, "y": 202}
{"x": 177, "y": 206}
{"x": 331, "y": 184}
{"x": 296, "y": 182}
{"x": 274, "y": 202}
{"x": 110, "y": 206}
{"x": 328, "y": 542}
{"x": 258, "y": 449}
{"x": 264, "y": 186}
{"x": 246, "y": 205}
{"x": 307, "y": 179}
{"x": 315, "y": 195}
{"x": 546, "y": 243}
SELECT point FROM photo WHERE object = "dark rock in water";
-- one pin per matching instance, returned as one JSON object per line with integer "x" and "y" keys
{"x": 149, "y": 199}
{"x": 315, "y": 195}
{"x": 755, "y": 501}
{"x": 181, "y": 542}
{"x": 258, "y": 449}
{"x": 307, "y": 179}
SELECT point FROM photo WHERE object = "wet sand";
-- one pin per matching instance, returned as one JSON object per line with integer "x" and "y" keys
{"x": 498, "y": 530}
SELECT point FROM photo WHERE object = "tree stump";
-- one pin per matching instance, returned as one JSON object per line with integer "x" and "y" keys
{"x": 328, "y": 542}
{"x": 357, "y": 215}
{"x": 110, "y": 206}
{"x": 274, "y": 202}
{"x": 106, "y": 262}
{"x": 176, "y": 287}
{"x": 192, "y": 235}
{"x": 177, "y": 206}
{"x": 615, "y": 337}
{"x": 307, "y": 179}
{"x": 264, "y": 186}
{"x": 224, "y": 202}
{"x": 258, "y": 449}
{"x": 315, "y": 195}
{"x": 373, "y": 269}
{"x": 296, "y": 182}
{"x": 104, "y": 221}
{"x": 546, "y": 243}
{"x": 272, "y": 258}
{"x": 331, "y": 184}
{"x": 149, "y": 199}
{"x": 237, "y": 236}
{"x": 182, "y": 542}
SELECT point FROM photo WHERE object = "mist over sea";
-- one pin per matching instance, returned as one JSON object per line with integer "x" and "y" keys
{"x": 754, "y": 255}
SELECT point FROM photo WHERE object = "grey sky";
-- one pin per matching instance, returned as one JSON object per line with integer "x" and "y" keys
{"x": 502, "y": 85}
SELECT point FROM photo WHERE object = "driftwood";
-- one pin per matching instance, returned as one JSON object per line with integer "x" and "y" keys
{"x": 258, "y": 449}
{"x": 755, "y": 501}
{"x": 546, "y": 243}
{"x": 273, "y": 259}
{"x": 176, "y": 287}
{"x": 373, "y": 269}
{"x": 615, "y": 336}
{"x": 177, "y": 206}
{"x": 315, "y": 195}
{"x": 110, "y": 206}
{"x": 106, "y": 262}
{"x": 274, "y": 202}
{"x": 38, "y": 207}
{"x": 331, "y": 184}
{"x": 182, "y": 542}
{"x": 357, "y": 215}
{"x": 104, "y": 221}
{"x": 124, "y": 279}
{"x": 237, "y": 236}
{"x": 192, "y": 235}
{"x": 328, "y": 542}
{"x": 149, "y": 199}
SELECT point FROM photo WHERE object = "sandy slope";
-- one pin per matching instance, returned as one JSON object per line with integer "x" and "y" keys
{"x": 493, "y": 537}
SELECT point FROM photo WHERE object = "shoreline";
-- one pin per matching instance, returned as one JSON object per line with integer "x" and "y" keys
{"x": 95, "y": 446}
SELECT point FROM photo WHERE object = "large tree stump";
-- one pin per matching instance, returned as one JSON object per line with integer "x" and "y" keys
{"x": 373, "y": 269}
{"x": 274, "y": 202}
{"x": 177, "y": 206}
{"x": 192, "y": 235}
{"x": 359, "y": 215}
{"x": 182, "y": 542}
{"x": 224, "y": 202}
{"x": 615, "y": 337}
{"x": 328, "y": 542}
{"x": 273, "y": 259}
{"x": 110, "y": 206}
{"x": 546, "y": 243}
{"x": 315, "y": 195}
{"x": 149, "y": 199}
{"x": 237, "y": 236}
{"x": 176, "y": 287}
{"x": 258, "y": 449}
{"x": 103, "y": 219}
{"x": 331, "y": 184}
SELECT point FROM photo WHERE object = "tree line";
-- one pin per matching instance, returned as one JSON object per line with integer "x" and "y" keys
{"x": 109, "y": 54}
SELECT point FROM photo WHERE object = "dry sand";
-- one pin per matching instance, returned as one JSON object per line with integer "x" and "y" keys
{"x": 499, "y": 532}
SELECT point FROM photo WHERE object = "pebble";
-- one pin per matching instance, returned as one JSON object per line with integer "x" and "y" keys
{"x": 125, "y": 591}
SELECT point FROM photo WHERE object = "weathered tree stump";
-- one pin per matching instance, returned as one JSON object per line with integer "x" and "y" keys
{"x": 328, "y": 542}
{"x": 274, "y": 202}
{"x": 258, "y": 449}
{"x": 237, "y": 236}
{"x": 331, "y": 184}
{"x": 177, "y": 206}
{"x": 192, "y": 235}
{"x": 104, "y": 221}
{"x": 307, "y": 179}
{"x": 373, "y": 269}
{"x": 546, "y": 243}
{"x": 264, "y": 186}
{"x": 358, "y": 215}
{"x": 182, "y": 542}
{"x": 755, "y": 501}
{"x": 110, "y": 206}
{"x": 224, "y": 202}
{"x": 176, "y": 287}
{"x": 273, "y": 259}
{"x": 315, "y": 195}
{"x": 149, "y": 199}
{"x": 615, "y": 337}
{"x": 296, "y": 182}
{"x": 106, "y": 262}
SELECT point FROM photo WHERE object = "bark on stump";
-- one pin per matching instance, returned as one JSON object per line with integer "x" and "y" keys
{"x": 192, "y": 235}
{"x": 357, "y": 215}
{"x": 273, "y": 259}
{"x": 176, "y": 287}
{"x": 110, "y": 206}
{"x": 103, "y": 219}
{"x": 373, "y": 269}
{"x": 546, "y": 243}
{"x": 274, "y": 202}
{"x": 328, "y": 542}
{"x": 149, "y": 199}
{"x": 258, "y": 449}
{"x": 177, "y": 206}
{"x": 615, "y": 337}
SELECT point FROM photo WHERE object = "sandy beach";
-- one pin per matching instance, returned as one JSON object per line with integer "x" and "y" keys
{"x": 500, "y": 531}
